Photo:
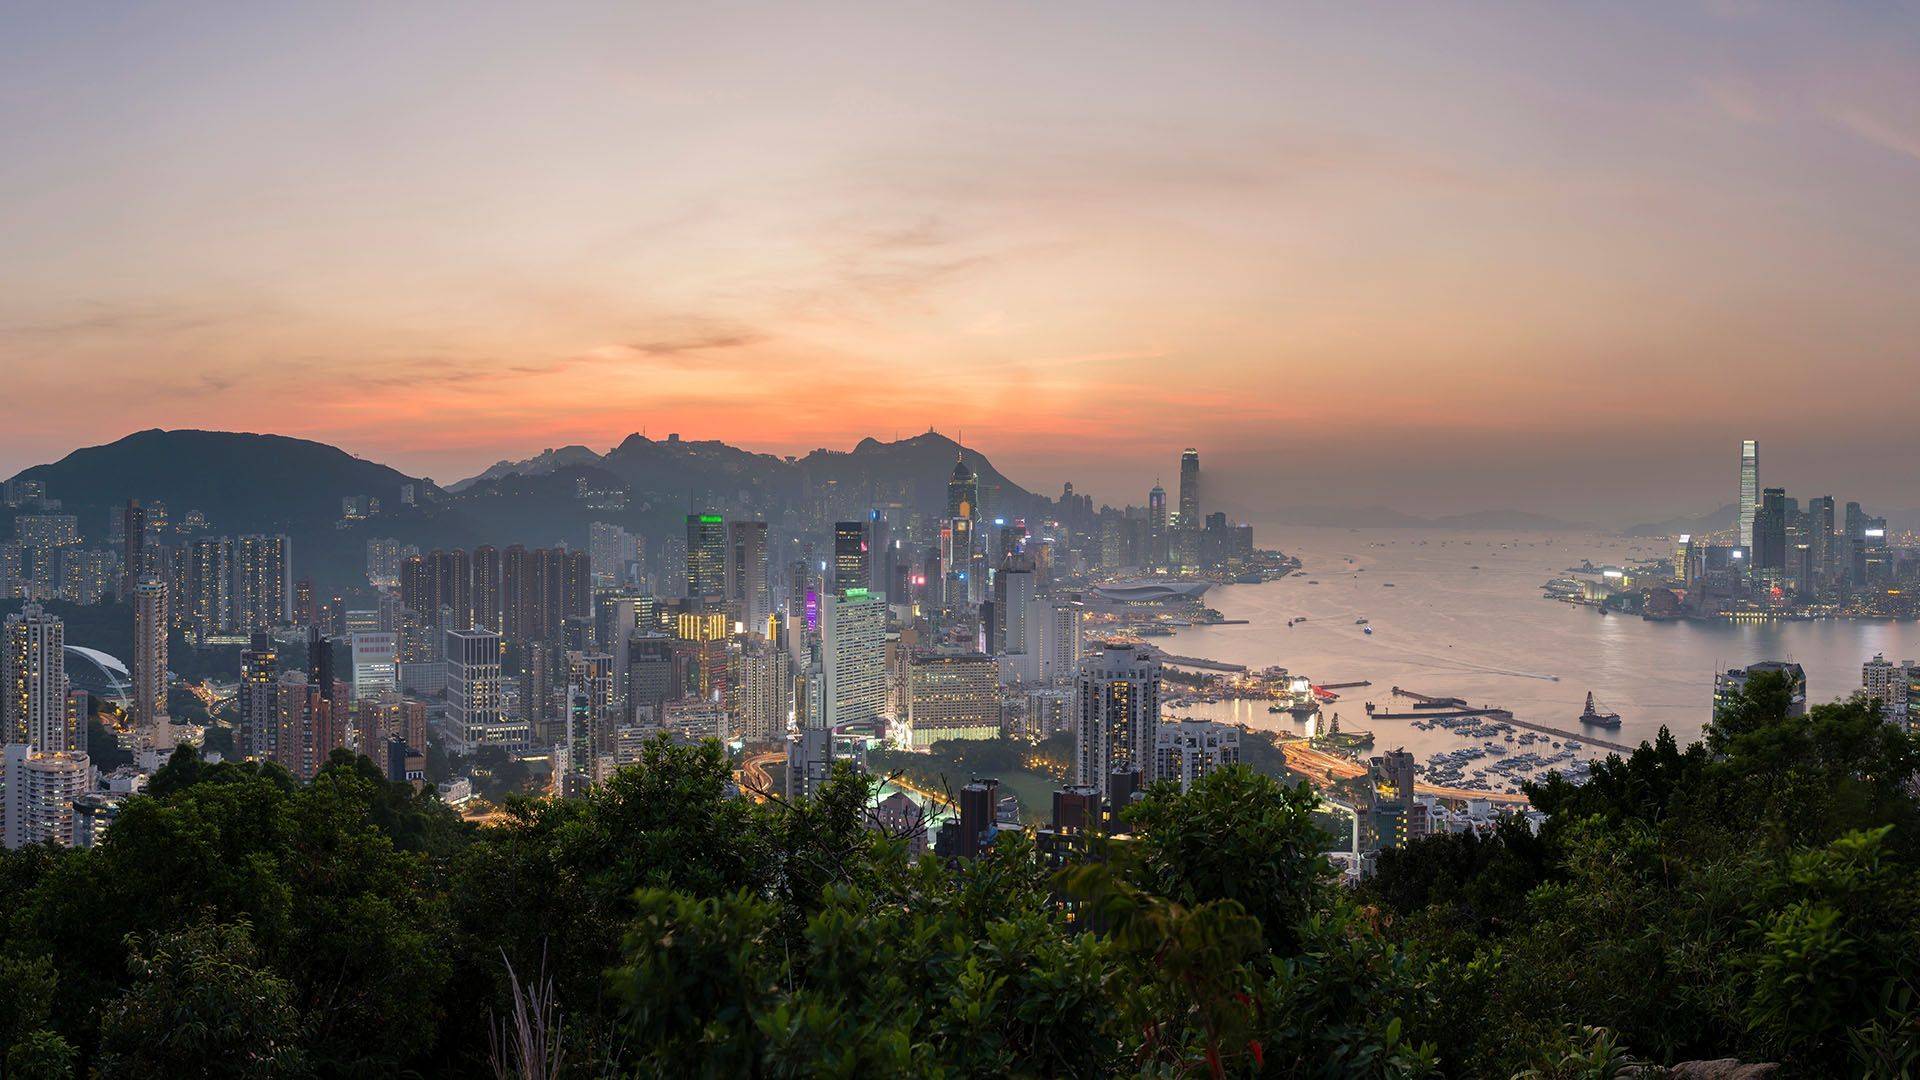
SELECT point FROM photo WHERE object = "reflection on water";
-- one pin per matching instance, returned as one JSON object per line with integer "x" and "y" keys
{"x": 1486, "y": 635}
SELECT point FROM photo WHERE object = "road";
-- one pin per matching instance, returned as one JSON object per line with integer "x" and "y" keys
{"x": 1318, "y": 764}
{"x": 754, "y": 778}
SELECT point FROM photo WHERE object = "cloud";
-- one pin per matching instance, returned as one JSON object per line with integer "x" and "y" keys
{"x": 1881, "y": 133}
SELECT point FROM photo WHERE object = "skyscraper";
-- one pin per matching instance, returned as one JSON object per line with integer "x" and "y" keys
{"x": 210, "y": 578}
{"x": 707, "y": 559}
{"x": 1769, "y": 549}
{"x": 133, "y": 523}
{"x": 33, "y": 676}
{"x": 748, "y": 590}
{"x": 850, "y": 567}
{"x": 853, "y": 641}
{"x": 474, "y": 715}
{"x": 257, "y": 699}
{"x": 1157, "y": 526}
{"x": 1189, "y": 488}
{"x": 487, "y": 589}
{"x": 1116, "y": 715}
{"x": 149, "y": 668}
{"x": 1749, "y": 491}
{"x": 263, "y": 584}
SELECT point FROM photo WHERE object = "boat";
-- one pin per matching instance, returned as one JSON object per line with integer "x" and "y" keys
{"x": 1313, "y": 583}
{"x": 1359, "y": 622}
{"x": 1593, "y": 715}
{"x": 1368, "y": 630}
{"x": 1386, "y": 584}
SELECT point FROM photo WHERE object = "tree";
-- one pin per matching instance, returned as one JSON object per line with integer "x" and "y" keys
{"x": 202, "y": 1004}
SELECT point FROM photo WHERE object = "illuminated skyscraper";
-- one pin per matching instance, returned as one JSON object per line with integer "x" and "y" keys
{"x": 33, "y": 676}
{"x": 209, "y": 599}
{"x": 133, "y": 523}
{"x": 748, "y": 592}
{"x": 1157, "y": 526}
{"x": 850, "y": 566}
{"x": 474, "y": 715}
{"x": 257, "y": 699}
{"x": 1189, "y": 489}
{"x": 853, "y": 648}
{"x": 149, "y": 668}
{"x": 1116, "y": 715}
{"x": 707, "y": 559}
{"x": 263, "y": 584}
{"x": 1749, "y": 491}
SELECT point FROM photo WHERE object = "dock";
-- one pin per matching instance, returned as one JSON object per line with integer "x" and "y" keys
{"x": 1502, "y": 715}
{"x": 1199, "y": 663}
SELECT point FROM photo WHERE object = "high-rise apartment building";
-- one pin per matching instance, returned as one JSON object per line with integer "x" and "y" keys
{"x": 257, "y": 698}
{"x": 33, "y": 677}
{"x": 38, "y": 790}
{"x": 757, "y": 686}
{"x": 487, "y": 588}
{"x": 149, "y": 667}
{"x": 1116, "y": 714}
{"x": 263, "y": 582}
{"x": 1186, "y": 750}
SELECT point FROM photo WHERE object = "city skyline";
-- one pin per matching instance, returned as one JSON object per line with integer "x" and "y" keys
{"x": 1444, "y": 268}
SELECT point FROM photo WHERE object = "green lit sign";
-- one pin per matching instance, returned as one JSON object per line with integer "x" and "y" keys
{"x": 856, "y": 594}
{"x": 711, "y": 519}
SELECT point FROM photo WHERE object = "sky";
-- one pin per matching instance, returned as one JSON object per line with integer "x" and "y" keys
{"x": 1557, "y": 257}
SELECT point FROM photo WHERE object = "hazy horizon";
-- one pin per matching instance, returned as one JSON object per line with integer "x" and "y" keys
{"x": 1444, "y": 258}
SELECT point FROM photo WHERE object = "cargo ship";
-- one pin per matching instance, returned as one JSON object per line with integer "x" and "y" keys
{"x": 1593, "y": 715}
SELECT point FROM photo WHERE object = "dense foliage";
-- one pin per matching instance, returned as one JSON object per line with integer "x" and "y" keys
{"x": 1755, "y": 896}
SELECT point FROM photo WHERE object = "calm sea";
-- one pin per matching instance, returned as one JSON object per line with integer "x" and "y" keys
{"x": 1461, "y": 615}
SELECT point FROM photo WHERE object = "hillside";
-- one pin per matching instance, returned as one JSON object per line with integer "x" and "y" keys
{"x": 242, "y": 482}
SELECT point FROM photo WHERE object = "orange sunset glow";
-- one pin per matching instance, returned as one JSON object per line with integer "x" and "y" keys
{"x": 1352, "y": 264}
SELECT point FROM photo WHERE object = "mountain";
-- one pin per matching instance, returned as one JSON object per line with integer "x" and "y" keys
{"x": 242, "y": 482}
{"x": 539, "y": 465}
{"x": 684, "y": 472}
{"x": 1718, "y": 521}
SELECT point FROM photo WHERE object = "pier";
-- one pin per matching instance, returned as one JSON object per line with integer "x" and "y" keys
{"x": 1198, "y": 663}
{"x": 1502, "y": 715}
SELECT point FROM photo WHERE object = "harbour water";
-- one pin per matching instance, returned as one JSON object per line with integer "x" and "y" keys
{"x": 1461, "y": 615}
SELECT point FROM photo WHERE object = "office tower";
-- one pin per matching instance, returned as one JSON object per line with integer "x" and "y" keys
{"x": 809, "y": 762}
{"x": 1189, "y": 515}
{"x": 1157, "y": 526}
{"x": 850, "y": 567}
{"x": 610, "y": 549}
{"x": 748, "y": 593}
{"x": 487, "y": 591}
{"x": 133, "y": 522}
{"x": 149, "y": 667}
{"x": 853, "y": 641}
{"x": 375, "y": 660}
{"x": 257, "y": 698}
{"x": 1825, "y": 543}
{"x": 650, "y": 673}
{"x": 951, "y": 696}
{"x": 1730, "y": 683}
{"x": 959, "y": 542}
{"x": 1769, "y": 533}
{"x": 39, "y": 790}
{"x": 1749, "y": 491}
{"x": 321, "y": 670}
{"x": 1186, "y": 750}
{"x": 881, "y": 554}
{"x": 33, "y": 676}
{"x": 210, "y": 578}
{"x": 1013, "y": 596}
{"x": 758, "y": 690}
{"x": 1683, "y": 558}
{"x": 707, "y": 559}
{"x": 474, "y": 716}
{"x": 1116, "y": 714}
